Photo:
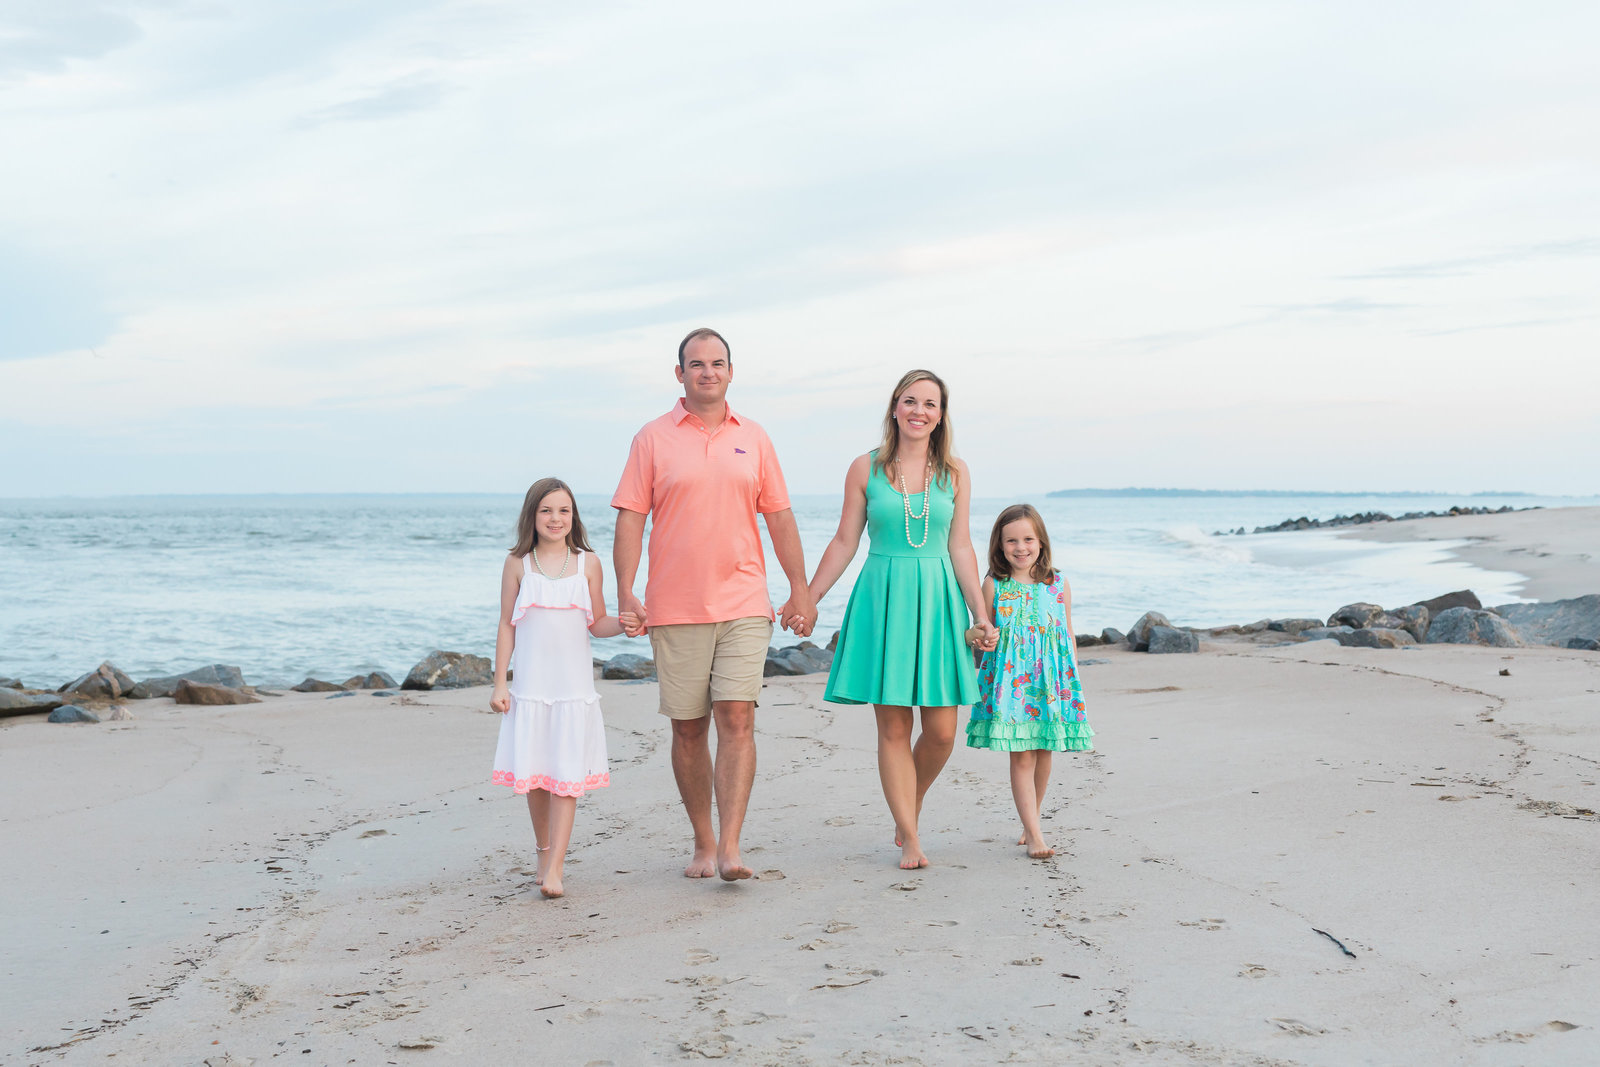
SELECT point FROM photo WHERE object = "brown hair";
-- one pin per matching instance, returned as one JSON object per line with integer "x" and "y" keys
{"x": 528, "y": 534}
{"x": 699, "y": 335}
{"x": 941, "y": 443}
{"x": 1000, "y": 567}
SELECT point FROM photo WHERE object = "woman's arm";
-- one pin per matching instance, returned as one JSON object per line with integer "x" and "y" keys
{"x": 964, "y": 560}
{"x": 852, "y": 520}
{"x": 505, "y": 634}
{"x": 975, "y": 640}
{"x": 604, "y": 625}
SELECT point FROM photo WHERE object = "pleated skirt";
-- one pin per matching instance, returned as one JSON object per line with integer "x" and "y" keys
{"x": 903, "y": 641}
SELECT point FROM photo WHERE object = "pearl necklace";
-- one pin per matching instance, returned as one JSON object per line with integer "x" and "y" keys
{"x": 905, "y": 499}
{"x": 564, "y": 561}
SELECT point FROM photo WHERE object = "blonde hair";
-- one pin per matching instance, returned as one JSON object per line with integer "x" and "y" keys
{"x": 1000, "y": 567}
{"x": 527, "y": 531}
{"x": 941, "y": 442}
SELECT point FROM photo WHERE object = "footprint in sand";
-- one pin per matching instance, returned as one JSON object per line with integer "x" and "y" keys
{"x": 699, "y": 957}
{"x": 1297, "y": 1028}
{"x": 1205, "y": 924}
{"x": 838, "y": 926}
{"x": 840, "y": 820}
{"x": 1254, "y": 970}
{"x": 773, "y": 875}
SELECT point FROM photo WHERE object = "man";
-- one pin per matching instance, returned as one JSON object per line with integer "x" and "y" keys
{"x": 704, "y": 472}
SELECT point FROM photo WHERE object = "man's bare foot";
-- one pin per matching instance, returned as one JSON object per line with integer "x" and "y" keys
{"x": 912, "y": 858}
{"x": 731, "y": 868}
{"x": 551, "y": 889}
{"x": 704, "y": 865}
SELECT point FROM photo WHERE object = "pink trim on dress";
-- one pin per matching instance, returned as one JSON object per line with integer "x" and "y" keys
{"x": 549, "y": 784}
{"x": 520, "y": 609}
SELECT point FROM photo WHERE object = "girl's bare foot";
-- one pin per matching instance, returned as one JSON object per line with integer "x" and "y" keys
{"x": 1038, "y": 850}
{"x": 551, "y": 889}
{"x": 912, "y": 857}
{"x": 704, "y": 864}
{"x": 543, "y": 862}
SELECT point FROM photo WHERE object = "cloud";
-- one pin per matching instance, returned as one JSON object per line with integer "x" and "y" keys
{"x": 42, "y": 36}
{"x": 1464, "y": 265}
{"x": 401, "y": 98}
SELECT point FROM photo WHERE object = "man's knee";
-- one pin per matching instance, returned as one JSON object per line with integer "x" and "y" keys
{"x": 736, "y": 719}
{"x": 691, "y": 731}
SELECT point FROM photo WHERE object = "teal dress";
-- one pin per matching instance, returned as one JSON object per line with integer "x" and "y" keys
{"x": 903, "y": 641}
{"x": 1031, "y": 697}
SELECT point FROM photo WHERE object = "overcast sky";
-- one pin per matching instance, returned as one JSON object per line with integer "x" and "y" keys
{"x": 393, "y": 245}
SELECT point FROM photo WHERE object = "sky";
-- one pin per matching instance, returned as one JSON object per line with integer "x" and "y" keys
{"x": 406, "y": 245}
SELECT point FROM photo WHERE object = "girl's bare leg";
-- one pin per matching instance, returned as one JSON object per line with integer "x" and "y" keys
{"x": 562, "y": 811}
{"x": 539, "y": 812}
{"x": 1041, "y": 781}
{"x": 1023, "y": 768}
{"x": 897, "y": 770}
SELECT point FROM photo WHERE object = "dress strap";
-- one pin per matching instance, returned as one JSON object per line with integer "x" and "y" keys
{"x": 527, "y": 568}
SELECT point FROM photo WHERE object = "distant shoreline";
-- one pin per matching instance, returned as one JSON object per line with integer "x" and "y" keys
{"x": 1132, "y": 492}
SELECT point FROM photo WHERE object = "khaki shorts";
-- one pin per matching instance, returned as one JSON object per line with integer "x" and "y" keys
{"x": 701, "y": 662}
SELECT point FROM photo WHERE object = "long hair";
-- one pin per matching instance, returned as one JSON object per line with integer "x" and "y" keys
{"x": 528, "y": 533}
{"x": 941, "y": 443}
{"x": 1000, "y": 567}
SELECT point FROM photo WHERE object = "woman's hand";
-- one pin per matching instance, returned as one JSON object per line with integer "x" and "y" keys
{"x": 500, "y": 699}
{"x": 991, "y": 636}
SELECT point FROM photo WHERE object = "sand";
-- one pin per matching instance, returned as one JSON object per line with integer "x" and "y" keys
{"x": 1557, "y": 550}
{"x": 337, "y": 875}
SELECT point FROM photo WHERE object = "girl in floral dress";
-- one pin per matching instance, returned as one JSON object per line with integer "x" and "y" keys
{"x": 1030, "y": 703}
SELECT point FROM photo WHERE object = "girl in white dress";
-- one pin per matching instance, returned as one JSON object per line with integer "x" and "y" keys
{"x": 552, "y": 740}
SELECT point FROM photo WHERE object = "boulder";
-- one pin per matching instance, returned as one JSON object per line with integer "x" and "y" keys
{"x": 1085, "y": 640}
{"x": 119, "y": 713}
{"x": 211, "y": 695}
{"x": 1555, "y": 622}
{"x": 1583, "y": 644}
{"x": 1293, "y": 626}
{"x": 784, "y": 662}
{"x": 1256, "y": 627}
{"x": 1139, "y": 634}
{"x": 1356, "y": 615}
{"x": 1376, "y": 637}
{"x": 15, "y": 702}
{"x": 820, "y": 659}
{"x": 1326, "y": 633}
{"x": 1469, "y": 626}
{"x": 104, "y": 681}
{"x": 382, "y": 680}
{"x": 627, "y": 666}
{"x": 1413, "y": 619}
{"x": 316, "y": 685}
{"x": 72, "y": 713}
{"x": 1461, "y": 598}
{"x": 215, "y": 674}
{"x": 833, "y": 642}
{"x": 1112, "y": 636}
{"x": 1165, "y": 639}
{"x": 1224, "y": 631}
{"x": 449, "y": 670}
{"x": 10, "y": 683}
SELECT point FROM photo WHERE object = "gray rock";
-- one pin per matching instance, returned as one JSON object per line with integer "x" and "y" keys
{"x": 1413, "y": 619}
{"x": 340, "y": 693}
{"x": 10, "y": 683}
{"x": 104, "y": 681}
{"x": 1293, "y": 626}
{"x": 211, "y": 695}
{"x": 72, "y": 713}
{"x": 215, "y": 674}
{"x": 628, "y": 667}
{"x": 1461, "y": 598}
{"x": 1326, "y": 633}
{"x": 820, "y": 659}
{"x": 1377, "y": 637}
{"x": 1583, "y": 644}
{"x": 833, "y": 642}
{"x": 383, "y": 692}
{"x": 1139, "y": 634}
{"x": 1166, "y": 639}
{"x": 375, "y": 680}
{"x": 119, "y": 713}
{"x": 1356, "y": 615}
{"x": 1091, "y": 662}
{"x": 1085, "y": 640}
{"x": 449, "y": 670}
{"x": 1259, "y": 626}
{"x": 1555, "y": 622}
{"x": 1224, "y": 631}
{"x": 1469, "y": 626}
{"x": 784, "y": 662}
{"x": 316, "y": 685}
{"x": 1112, "y": 636}
{"x": 16, "y": 702}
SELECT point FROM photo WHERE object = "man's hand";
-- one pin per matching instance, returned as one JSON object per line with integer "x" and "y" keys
{"x": 631, "y": 613}
{"x": 799, "y": 612}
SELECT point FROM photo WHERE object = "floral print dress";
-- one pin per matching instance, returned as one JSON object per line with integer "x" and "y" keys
{"x": 1029, "y": 696}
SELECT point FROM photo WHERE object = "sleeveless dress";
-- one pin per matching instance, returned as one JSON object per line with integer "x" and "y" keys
{"x": 553, "y": 737}
{"x": 903, "y": 640}
{"x": 1031, "y": 696}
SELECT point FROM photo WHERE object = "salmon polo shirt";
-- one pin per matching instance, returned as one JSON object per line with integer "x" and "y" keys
{"x": 703, "y": 489}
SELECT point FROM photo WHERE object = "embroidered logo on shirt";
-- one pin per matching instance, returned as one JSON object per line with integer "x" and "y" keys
{"x": 740, "y": 451}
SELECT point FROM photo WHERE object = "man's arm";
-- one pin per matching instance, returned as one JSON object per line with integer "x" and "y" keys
{"x": 625, "y": 550}
{"x": 799, "y": 612}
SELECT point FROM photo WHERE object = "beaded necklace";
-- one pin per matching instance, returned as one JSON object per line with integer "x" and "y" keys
{"x": 564, "y": 561}
{"x": 905, "y": 499}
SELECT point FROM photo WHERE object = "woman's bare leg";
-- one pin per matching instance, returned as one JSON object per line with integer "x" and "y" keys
{"x": 933, "y": 748}
{"x": 897, "y": 770}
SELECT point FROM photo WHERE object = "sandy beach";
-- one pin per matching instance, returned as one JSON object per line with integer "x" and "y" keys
{"x": 1279, "y": 854}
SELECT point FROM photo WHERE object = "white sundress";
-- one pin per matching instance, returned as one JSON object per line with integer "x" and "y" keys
{"x": 553, "y": 737}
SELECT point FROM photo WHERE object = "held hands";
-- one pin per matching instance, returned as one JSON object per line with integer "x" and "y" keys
{"x": 799, "y": 613}
{"x": 500, "y": 699}
{"x": 631, "y": 613}
{"x": 983, "y": 637}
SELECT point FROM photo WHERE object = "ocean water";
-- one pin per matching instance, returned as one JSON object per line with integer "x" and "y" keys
{"x": 331, "y": 586}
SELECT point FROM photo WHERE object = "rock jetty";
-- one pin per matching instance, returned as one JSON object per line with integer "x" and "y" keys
{"x": 1363, "y": 518}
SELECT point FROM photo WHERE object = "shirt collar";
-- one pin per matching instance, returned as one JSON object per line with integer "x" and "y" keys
{"x": 681, "y": 412}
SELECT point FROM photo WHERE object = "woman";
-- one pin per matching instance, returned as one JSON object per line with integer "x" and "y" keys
{"x": 903, "y": 642}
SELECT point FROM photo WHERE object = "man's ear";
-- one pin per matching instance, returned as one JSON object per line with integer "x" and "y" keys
{"x": 678, "y": 370}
